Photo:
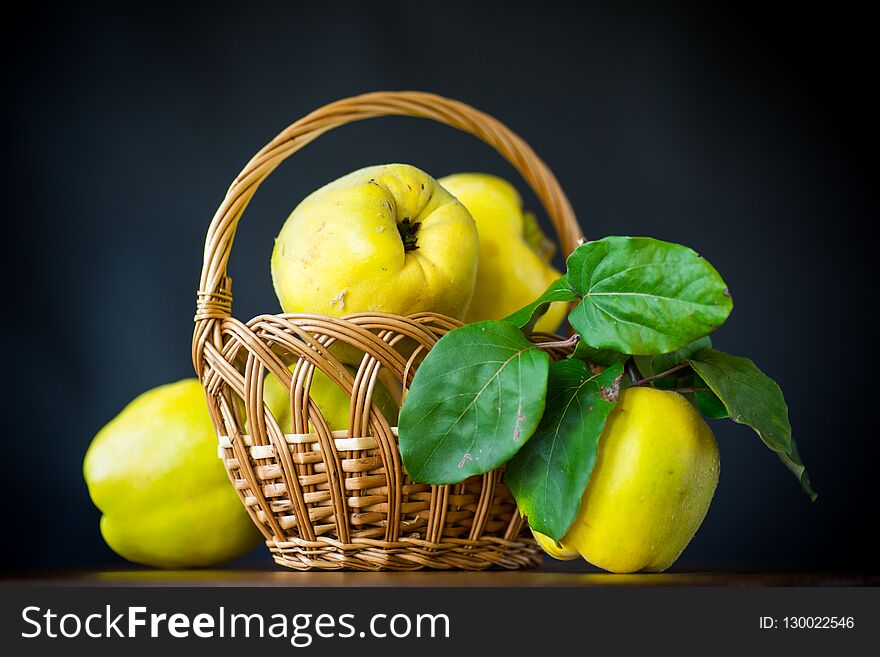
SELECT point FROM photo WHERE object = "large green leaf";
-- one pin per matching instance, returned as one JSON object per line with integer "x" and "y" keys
{"x": 474, "y": 401}
{"x": 642, "y": 296}
{"x": 527, "y": 316}
{"x": 548, "y": 475}
{"x": 754, "y": 399}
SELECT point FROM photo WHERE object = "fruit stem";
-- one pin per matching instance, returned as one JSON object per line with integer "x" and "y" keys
{"x": 662, "y": 375}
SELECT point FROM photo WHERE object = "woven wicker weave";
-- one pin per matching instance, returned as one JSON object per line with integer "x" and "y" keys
{"x": 341, "y": 499}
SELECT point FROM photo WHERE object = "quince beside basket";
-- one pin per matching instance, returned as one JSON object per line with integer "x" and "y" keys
{"x": 342, "y": 499}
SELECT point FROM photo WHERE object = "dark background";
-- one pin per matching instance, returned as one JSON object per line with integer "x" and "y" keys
{"x": 748, "y": 134}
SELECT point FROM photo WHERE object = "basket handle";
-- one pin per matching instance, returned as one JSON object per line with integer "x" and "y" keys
{"x": 214, "y": 295}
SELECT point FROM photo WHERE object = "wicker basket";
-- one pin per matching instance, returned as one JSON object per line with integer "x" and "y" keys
{"x": 341, "y": 499}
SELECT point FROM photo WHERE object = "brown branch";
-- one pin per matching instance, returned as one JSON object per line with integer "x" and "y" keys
{"x": 559, "y": 344}
{"x": 662, "y": 375}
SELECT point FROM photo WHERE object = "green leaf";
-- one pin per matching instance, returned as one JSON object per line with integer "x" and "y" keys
{"x": 659, "y": 363}
{"x": 526, "y": 317}
{"x": 754, "y": 399}
{"x": 603, "y": 357}
{"x": 549, "y": 474}
{"x": 642, "y": 296}
{"x": 707, "y": 402}
{"x": 474, "y": 401}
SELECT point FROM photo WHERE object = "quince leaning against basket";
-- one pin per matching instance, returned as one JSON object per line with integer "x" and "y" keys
{"x": 341, "y": 499}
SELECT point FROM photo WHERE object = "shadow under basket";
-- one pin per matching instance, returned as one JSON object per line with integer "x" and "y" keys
{"x": 341, "y": 499}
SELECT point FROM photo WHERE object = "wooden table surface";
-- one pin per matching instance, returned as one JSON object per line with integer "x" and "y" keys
{"x": 546, "y": 576}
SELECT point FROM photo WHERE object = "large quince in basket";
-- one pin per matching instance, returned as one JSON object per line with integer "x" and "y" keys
{"x": 385, "y": 238}
{"x": 166, "y": 499}
{"x": 655, "y": 474}
{"x": 514, "y": 262}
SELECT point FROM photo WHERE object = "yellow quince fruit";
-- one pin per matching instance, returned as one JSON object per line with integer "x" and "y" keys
{"x": 385, "y": 238}
{"x": 655, "y": 475}
{"x": 514, "y": 267}
{"x": 166, "y": 499}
